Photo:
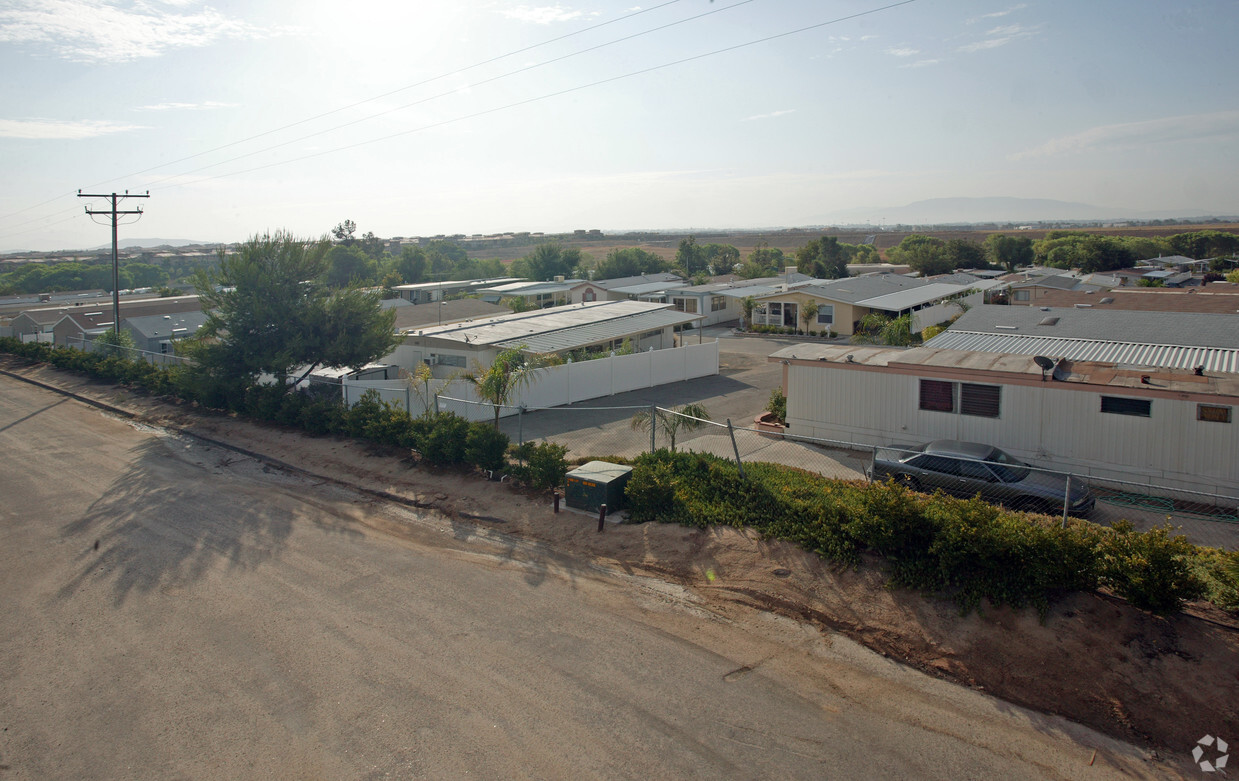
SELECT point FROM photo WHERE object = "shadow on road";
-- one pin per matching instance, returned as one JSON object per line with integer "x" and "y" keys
{"x": 156, "y": 528}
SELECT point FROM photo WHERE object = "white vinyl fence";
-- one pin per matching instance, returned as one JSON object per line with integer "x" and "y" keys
{"x": 553, "y": 386}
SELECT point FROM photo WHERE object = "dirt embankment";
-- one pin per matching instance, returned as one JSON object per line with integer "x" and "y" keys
{"x": 1159, "y": 682}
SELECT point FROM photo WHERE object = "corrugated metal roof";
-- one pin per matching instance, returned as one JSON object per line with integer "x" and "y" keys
{"x": 523, "y": 326}
{"x": 646, "y": 287}
{"x": 1214, "y": 359}
{"x": 593, "y": 333}
{"x": 1179, "y": 329}
{"x": 906, "y": 299}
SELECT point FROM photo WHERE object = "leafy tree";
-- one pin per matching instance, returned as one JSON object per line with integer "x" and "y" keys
{"x": 372, "y": 245}
{"x": 966, "y": 254}
{"x": 721, "y": 258}
{"x": 113, "y": 342}
{"x": 688, "y": 417}
{"x": 269, "y": 310}
{"x": 499, "y": 383}
{"x": 629, "y": 262}
{"x": 808, "y": 313}
{"x": 344, "y": 232}
{"x": 690, "y": 257}
{"x": 924, "y": 254}
{"x": 824, "y": 258}
{"x": 411, "y": 265}
{"x": 1009, "y": 251}
{"x": 545, "y": 262}
{"x": 347, "y": 265}
{"x": 1204, "y": 244}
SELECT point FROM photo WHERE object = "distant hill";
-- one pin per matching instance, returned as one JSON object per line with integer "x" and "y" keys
{"x": 948, "y": 211}
{"x": 152, "y": 243}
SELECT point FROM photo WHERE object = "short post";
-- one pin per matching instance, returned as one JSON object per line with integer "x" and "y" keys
{"x": 602, "y": 516}
{"x": 653, "y": 425}
{"x": 735, "y": 449}
{"x": 556, "y": 493}
{"x": 1066, "y": 500}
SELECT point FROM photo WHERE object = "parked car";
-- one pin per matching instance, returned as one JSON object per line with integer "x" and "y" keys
{"x": 970, "y": 469}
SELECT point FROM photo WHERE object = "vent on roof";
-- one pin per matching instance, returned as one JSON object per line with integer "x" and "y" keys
{"x": 1084, "y": 306}
{"x": 1048, "y": 321}
{"x": 1007, "y": 327}
{"x": 1107, "y": 300}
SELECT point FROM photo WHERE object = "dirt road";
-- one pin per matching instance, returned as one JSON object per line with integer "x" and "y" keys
{"x": 174, "y": 609}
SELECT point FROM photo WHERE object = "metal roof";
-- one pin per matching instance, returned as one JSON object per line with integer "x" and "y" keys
{"x": 458, "y": 283}
{"x": 1214, "y": 359}
{"x": 593, "y": 333}
{"x": 521, "y": 327}
{"x": 906, "y": 299}
{"x": 661, "y": 278}
{"x": 527, "y": 288}
{"x": 1180, "y": 329}
{"x": 646, "y": 288}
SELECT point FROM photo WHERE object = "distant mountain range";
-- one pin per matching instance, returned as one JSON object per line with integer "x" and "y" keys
{"x": 945, "y": 211}
{"x": 150, "y": 243}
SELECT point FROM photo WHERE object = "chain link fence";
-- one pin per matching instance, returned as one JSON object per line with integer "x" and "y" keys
{"x": 132, "y": 353}
{"x": 599, "y": 432}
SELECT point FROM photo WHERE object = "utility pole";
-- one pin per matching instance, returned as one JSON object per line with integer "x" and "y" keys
{"x": 115, "y": 213}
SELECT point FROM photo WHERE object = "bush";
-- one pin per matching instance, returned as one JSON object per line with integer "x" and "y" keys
{"x": 545, "y": 464}
{"x": 777, "y": 405}
{"x": 486, "y": 446}
{"x": 440, "y": 438}
{"x": 1151, "y": 570}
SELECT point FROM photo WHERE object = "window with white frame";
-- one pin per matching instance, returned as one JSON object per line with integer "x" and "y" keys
{"x": 718, "y": 303}
{"x": 825, "y": 314}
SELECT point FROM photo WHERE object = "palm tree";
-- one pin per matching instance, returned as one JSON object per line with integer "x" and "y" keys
{"x": 498, "y": 383}
{"x": 688, "y": 417}
{"x": 747, "y": 305}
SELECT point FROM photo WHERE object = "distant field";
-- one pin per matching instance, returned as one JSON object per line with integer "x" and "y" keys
{"x": 791, "y": 240}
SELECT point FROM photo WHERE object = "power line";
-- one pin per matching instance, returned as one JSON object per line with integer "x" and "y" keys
{"x": 451, "y": 92}
{"x": 398, "y": 90}
{"x": 115, "y": 213}
{"x": 550, "y": 95}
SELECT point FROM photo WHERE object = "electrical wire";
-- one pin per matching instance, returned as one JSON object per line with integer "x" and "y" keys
{"x": 548, "y": 96}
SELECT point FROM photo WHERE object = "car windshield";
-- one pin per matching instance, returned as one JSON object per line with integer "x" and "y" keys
{"x": 1008, "y": 468}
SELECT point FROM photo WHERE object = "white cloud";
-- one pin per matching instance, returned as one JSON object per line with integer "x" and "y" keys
{"x": 921, "y": 64}
{"x": 1192, "y": 127}
{"x": 542, "y": 14}
{"x": 1001, "y": 36}
{"x": 771, "y": 115}
{"x": 204, "y": 106}
{"x": 116, "y": 30}
{"x": 903, "y": 52}
{"x": 53, "y": 129}
{"x": 997, "y": 14}
{"x": 992, "y": 43}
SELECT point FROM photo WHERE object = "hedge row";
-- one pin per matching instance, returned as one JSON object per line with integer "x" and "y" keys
{"x": 442, "y": 439}
{"x": 967, "y": 549}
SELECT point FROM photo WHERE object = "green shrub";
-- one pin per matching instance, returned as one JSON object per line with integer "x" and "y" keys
{"x": 543, "y": 466}
{"x": 1219, "y": 571}
{"x": 1152, "y": 570}
{"x": 486, "y": 446}
{"x": 777, "y": 405}
{"x": 440, "y": 439}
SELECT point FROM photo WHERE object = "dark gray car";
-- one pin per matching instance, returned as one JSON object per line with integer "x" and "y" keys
{"x": 970, "y": 469}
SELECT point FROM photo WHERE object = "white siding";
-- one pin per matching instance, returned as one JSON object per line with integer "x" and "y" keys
{"x": 1045, "y": 425}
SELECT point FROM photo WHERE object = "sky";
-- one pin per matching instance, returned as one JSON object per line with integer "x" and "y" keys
{"x": 488, "y": 116}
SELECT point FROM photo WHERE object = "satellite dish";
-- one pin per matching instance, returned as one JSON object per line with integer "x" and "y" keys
{"x": 1046, "y": 364}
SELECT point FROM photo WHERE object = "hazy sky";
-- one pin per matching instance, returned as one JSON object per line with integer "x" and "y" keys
{"x": 482, "y": 116}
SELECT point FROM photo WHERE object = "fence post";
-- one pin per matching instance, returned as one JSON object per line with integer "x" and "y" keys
{"x": 653, "y": 426}
{"x": 732, "y": 433}
{"x": 520, "y": 425}
{"x": 344, "y": 385}
{"x": 408, "y": 401}
{"x": 436, "y": 404}
{"x": 1066, "y": 499}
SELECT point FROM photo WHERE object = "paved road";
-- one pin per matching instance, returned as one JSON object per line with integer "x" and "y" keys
{"x": 176, "y": 610}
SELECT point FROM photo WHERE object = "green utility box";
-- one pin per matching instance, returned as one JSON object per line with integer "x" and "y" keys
{"x": 596, "y": 483}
